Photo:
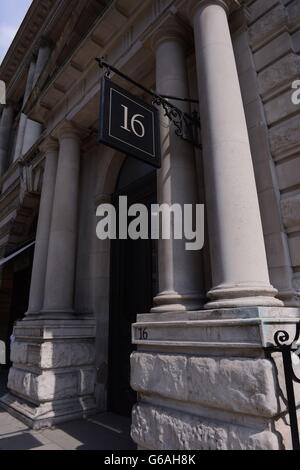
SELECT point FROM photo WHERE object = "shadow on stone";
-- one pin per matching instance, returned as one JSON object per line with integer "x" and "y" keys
{"x": 21, "y": 442}
{"x": 102, "y": 432}
{"x": 3, "y": 380}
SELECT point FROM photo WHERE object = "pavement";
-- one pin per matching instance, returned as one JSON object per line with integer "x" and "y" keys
{"x": 104, "y": 431}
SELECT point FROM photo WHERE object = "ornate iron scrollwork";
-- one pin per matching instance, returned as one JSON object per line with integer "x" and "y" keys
{"x": 186, "y": 125}
{"x": 282, "y": 337}
{"x": 287, "y": 349}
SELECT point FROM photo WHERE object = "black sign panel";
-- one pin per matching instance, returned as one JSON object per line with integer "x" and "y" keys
{"x": 128, "y": 124}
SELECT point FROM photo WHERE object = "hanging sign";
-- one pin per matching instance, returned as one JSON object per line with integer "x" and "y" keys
{"x": 128, "y": 124}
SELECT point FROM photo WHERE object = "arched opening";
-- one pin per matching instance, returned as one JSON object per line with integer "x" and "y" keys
{"x": 133, "y": 284}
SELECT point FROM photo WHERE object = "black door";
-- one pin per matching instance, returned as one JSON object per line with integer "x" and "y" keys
{"x": 133, "y": 285}
{"x": 20, "y": 294}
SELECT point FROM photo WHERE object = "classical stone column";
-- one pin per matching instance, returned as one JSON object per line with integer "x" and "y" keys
{"x": 42, "y": 58}
{"x": 53, "y": 374}
{"x": 5, "y": 133}
{"x": 33, "y": 129}
{"x": 180, "y": 277}
{"x": 59, "y": 285}
{"x": 239, "y": 264}
{"x": 23, "y": 117}
{"x": 50, "y": 150}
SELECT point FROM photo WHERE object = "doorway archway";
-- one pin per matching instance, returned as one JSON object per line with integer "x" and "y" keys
{"x": 133, "y": 284}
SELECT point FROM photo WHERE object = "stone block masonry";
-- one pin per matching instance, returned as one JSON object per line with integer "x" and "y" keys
{"x": 211, "y": 394}
{"x": 273, "y": 32}
{"x": 53, "y": 376}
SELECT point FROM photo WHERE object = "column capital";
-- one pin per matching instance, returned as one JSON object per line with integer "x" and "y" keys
{"x": 49, "y": 144}
{"x": 228, "y": 5}
{"x": 44, "y": 42}
{"x": 67, "y": 129}
{"x": 171, "y": 29}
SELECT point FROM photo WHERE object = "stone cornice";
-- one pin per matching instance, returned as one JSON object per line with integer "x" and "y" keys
{"x": 23, "y": 43}
{"x": 36, "y": 100}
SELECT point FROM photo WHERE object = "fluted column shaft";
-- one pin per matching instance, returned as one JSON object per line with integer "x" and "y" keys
{"x": 180, "y": 279}
{"x": 59, "y": 286}
{"x": 50, "y": 149}
{"x": 238, "y": 257}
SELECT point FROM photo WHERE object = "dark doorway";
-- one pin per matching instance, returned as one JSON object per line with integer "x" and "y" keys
{"x": 133, "y": 286}
{"x": 20, "y": 293}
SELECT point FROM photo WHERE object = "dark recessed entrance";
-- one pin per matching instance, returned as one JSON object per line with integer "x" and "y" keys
{"x": 133, "y": 286}
{"x": 14, "y": 295}
{"x": 20, "y": 292}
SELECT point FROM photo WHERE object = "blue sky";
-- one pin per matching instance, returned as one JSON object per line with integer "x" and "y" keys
{"x": 12, "y": 13}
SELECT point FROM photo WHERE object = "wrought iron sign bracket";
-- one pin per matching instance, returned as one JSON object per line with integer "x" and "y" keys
{"x": 287, "y": 348}
{"x": 187, "y": 126}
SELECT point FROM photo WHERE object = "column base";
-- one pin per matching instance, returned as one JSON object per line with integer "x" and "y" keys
{"x": 243, "y": 296}
{"x": 47, "y": 415}
{"x": 171, "y": 301}
{"x": 53, "y": 374}
{"x": 205, "y": 381}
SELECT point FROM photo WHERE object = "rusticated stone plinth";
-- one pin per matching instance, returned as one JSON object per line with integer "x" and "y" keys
{"x": 205, "y": 380}
{"x": 53, "y": 374}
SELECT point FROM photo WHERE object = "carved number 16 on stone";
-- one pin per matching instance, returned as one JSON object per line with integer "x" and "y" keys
{"x": 143, "y": 334}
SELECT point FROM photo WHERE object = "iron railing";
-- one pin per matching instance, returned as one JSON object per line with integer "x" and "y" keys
{"x": 290, "y": 351}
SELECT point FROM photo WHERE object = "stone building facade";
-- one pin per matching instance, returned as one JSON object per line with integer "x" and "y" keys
{"x": 200, "y": 377}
